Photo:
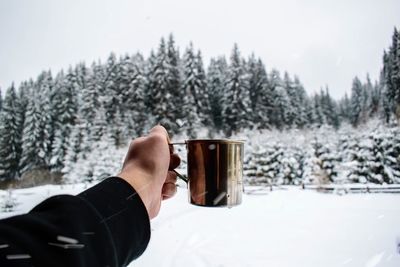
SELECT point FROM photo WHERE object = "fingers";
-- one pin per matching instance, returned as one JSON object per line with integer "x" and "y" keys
{"x": 168, "y": 190}
{"x": 159, "y": 130}
{"x": 169, "y": 186}
{"x": 174, "y": 161}
{"x": 171, "y": 177}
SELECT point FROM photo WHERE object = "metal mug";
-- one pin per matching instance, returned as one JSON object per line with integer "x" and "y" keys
{"x": 215, "y": 172}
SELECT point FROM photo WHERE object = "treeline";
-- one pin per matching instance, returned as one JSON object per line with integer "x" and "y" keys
{"x": 53, "y": 121}
{"x": 324, "y": 156}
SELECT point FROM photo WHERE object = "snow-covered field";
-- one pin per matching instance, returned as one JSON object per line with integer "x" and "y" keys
{"x": 287, "y": 227}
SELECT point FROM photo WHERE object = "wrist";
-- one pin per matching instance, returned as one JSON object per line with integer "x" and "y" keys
{"x": 142, "y": 183}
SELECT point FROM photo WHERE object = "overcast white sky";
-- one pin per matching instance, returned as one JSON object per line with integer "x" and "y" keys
{"x": 323, "y": 42}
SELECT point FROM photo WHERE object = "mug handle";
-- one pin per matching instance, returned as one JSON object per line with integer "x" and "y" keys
{"x": 181, "y": 176}
{"x": 186, "y": 180}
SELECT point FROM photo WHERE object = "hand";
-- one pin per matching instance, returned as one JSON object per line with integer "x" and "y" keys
{"x": 148, "y": 168}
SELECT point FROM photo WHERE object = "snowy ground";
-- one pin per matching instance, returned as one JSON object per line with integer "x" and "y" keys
{"x": 287, "y": 227}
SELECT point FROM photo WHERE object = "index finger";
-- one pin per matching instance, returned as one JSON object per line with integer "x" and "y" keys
{"x": 158, "y": 129}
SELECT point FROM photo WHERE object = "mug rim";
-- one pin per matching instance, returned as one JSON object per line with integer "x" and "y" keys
{"x": 218, "y": 141}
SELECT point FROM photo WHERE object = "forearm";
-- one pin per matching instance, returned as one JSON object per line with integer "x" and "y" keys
{"x": 104, "y": 225}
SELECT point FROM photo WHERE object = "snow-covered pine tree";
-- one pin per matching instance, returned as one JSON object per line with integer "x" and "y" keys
{"x": 216, "y": 76}
{"x": 99, "y": 126}
{"x": 297, "y": 97}
{"x": 375, "y": 104}
{"x": 117, "y": 132}
{"x": 289, "y": 167}
{"x": 356, "y": 102}
{"x": 386, "y": 152}
{"x": 366, "y": 100}
{"x": 303, "y": 103}
{"x": 24, "y": 93}
{"x": 236, "y": 102}
{"x": 74, "y": 149}
{"x": 344, "y": 109}
{"x": 64, "y": 110}
{"x": 33, "y": 148}
{"x": 90, "y": 99}
{"x": 203, "y": 102}
{"x": 134, "y": 83}
{"x": 196, "y": 99}
{"x": 259, "y": 92}
{"x": 174, "y": 86}
{"x": 282, "y": 108}
{"x": 360, "y": 156}
{"x": 391, "y": 69}
{"x": 394, "y": 53}
{"x": 319, "y": 116}
{"x": 162, "y": 87}
{"x": 329, "y": 108}
{"x": 10, "y": 136}
{"x": 107, "y": 159}
{"x": 278, "y": 115}
{"x": 291, "y": 93}
{"x": 249, "y": 165}
{"x": 1, "y": 100}
{"x": 271, "y": 163}
{"x": 300, "y": 156}
{"x": 112, "y": 97}
{"x": 326, "y": 159}
{"x": 266, "y": 164}
{"x": 45, "y": 95}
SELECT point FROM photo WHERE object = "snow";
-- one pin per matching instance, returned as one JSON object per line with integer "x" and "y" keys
{"x": 285, "y": 227}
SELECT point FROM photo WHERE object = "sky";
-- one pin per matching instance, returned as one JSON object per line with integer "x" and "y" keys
{"x": 322, "y": 42}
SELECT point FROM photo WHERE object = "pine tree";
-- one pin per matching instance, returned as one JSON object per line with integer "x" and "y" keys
{"x": 112, "y": 97}
{"x": 106, "y": 159}
{"x": 329, "y": 109}
{"x": 289, "y": 167}
{"x": 10, "y": 136}
{"x": 282, "y": 108}
{"x": 174, "y": 81}
{"x": 44, "y": 87}
{"x": 359, "y": 157}
{"x": 344, "y": 109}
{"x": 162, "y": 87}
{"x": 236, "y": 101}
{"x": 134, "y": 83}
{"x": 74, "y": 149}
{"x": 24, "y": 94}
{"x": 324, "y": 162}
{"x": 192, "y": 88}
{"x": 376, "y": 95}
{"x": 259, "y": 92}
{"x": 264, "y": 165}
{"x": 356, "y": 102}
{"x": 292, "y": 108}
{"x": 318, "y": 118}
{"x": 99, "y": 126}
{"x": 395, "y": 77}
{"x": 64, "y": 110}
{"x": 1, "y": 100}
{"x": 302, "y": 103}
{"x": 91, "y": 94}
{"x": 278, "y": 115}
{"x": 366, "y": 100}
{"x": 216, "y": 76}
{"x": 391, "y": 69}
{"x": 33, "y": 145}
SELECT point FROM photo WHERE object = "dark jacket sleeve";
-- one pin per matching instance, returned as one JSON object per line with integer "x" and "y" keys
{"x": 106, "y": 225}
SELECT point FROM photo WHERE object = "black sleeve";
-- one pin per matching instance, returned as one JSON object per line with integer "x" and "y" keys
{"x": 106, "y": 225}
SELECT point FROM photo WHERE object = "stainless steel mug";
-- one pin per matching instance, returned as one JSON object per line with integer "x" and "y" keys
{"x": 215, "y": 172}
